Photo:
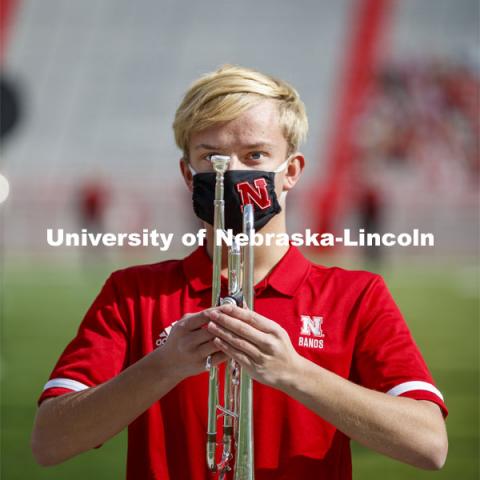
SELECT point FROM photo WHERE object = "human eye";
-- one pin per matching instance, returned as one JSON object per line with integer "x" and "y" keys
{"x": 204, "y": 161}
{"x": 256, "y": 156}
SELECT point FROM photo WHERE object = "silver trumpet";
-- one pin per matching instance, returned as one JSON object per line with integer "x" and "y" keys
{"x": 237, "y": 409}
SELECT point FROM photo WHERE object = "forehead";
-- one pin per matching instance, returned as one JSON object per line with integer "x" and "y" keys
{"x": 258, "y": 125}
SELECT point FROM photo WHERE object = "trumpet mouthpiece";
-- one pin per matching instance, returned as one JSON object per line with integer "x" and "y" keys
{"x": 220, "y": 162}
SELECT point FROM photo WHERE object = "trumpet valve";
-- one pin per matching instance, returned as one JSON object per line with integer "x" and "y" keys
{"x": 233, "y": 299}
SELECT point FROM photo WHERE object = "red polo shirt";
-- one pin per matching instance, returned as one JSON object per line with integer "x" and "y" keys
{"x": 345, "y": 321}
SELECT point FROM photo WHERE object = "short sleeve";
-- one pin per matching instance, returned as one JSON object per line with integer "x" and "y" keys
{"x": 99, "y": 350}
{"x": 386, "y": 357}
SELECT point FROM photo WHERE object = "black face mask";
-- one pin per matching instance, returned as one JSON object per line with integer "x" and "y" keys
{"x": 241, "y": 187}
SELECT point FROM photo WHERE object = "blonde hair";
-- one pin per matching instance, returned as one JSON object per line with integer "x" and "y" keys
{"x": 228, "y": 92}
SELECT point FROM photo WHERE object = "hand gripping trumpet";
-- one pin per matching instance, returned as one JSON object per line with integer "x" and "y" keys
{"x": 237, "y": 408}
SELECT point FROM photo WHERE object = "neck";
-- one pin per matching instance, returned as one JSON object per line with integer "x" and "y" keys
{"x": 266, "y": 257}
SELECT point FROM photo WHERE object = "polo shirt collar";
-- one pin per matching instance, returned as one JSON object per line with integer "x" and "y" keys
{"x": 285, "y": 277}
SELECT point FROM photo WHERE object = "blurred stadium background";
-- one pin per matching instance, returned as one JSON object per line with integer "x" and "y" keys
{"x": 89, "y": 91}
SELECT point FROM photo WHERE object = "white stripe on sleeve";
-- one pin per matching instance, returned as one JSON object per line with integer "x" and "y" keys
{"x": 65, "y": 383}
{"x": 415, "y": 385}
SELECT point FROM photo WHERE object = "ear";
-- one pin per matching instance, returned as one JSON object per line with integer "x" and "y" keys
{"x": 186, "y": 173}
{"x": 293, "y": 171}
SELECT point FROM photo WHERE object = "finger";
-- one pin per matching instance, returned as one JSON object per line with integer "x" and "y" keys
{"x": 250, "y": 317}
{"x": 218, "y": 358}
{"x": 207, "y": 349}
{"x": 241, "y": 329}
{"x": 232, "y": 352}
{"x": 197, "y": 337}
{"x": 240, "y": 343}
{"x": 194, "y": 321}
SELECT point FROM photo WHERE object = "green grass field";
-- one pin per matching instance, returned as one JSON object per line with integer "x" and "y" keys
{"x": 43, "y": 304}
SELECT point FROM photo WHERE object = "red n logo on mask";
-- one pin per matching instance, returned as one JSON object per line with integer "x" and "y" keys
{"x": 257, "y": 194}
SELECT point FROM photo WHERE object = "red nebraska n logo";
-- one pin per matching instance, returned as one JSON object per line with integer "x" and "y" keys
{"x": 257, "y": 195}
{"x": 311, "y": 326}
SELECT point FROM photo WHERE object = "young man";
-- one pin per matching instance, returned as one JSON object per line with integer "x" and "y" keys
{"x": 330, "y": 354}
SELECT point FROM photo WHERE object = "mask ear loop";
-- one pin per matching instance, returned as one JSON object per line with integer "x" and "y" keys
{"x": 282, "y": 166}
{"x": 192, "y": 171}
{"x": 279, "y": 169}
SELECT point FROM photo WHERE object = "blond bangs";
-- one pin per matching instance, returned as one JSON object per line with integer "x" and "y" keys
{"x": 224, "y": 95}
{"x": 218, "y": 110}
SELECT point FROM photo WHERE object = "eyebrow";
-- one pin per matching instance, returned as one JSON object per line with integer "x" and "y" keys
{"x": 251, "y": 146}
